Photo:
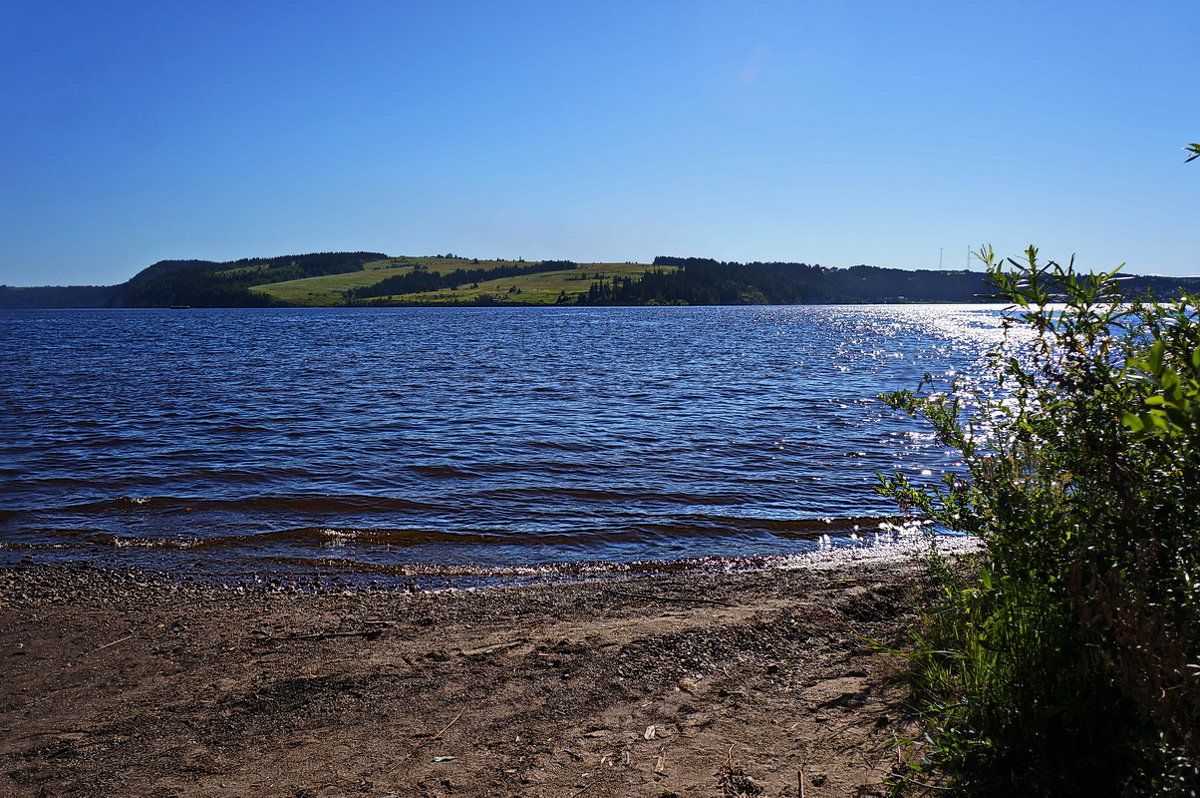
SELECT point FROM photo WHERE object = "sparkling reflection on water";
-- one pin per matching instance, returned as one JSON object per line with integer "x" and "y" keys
{"x": 236, "y": 441}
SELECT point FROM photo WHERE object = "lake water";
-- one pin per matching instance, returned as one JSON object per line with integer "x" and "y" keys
{"x": 440, "y": 443}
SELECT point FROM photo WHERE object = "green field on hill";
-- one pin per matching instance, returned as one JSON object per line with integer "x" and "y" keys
{"x": 540, "y": 288}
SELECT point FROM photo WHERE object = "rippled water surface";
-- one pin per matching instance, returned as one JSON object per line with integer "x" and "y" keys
{"x": 450, "y": 440}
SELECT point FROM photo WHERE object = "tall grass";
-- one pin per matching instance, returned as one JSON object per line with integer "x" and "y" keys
{"x": 1066, "y": 660}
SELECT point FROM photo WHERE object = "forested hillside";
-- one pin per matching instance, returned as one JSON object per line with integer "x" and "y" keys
{"x": 372, "y": 278}
{"x": 208, "y": 284}
{"x": 701, "y": 281}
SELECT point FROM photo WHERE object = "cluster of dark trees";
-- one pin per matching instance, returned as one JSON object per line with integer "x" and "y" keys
{"x": 57, "y": 296}
{"x": 702, "y": 281}
{"x": 421, "y": 279}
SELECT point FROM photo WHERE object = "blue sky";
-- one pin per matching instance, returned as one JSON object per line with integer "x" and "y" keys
{"x": 827, "y": 132}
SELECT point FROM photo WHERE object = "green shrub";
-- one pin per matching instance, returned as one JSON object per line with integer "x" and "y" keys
{"x": 1066, "y": 659}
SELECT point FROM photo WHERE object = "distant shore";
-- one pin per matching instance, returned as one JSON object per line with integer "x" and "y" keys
{"x": 125, "y": 683}
{"x": 338, "y": 279}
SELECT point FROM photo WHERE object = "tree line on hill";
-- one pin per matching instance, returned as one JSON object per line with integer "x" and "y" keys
{"x": 209, "y": 284}
{"x": 703, "y": 281}
{"x": 57, "y": 296}
{"x": 420, "y": 279}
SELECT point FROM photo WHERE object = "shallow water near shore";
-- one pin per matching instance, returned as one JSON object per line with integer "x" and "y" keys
{"x": 387, "y": 443}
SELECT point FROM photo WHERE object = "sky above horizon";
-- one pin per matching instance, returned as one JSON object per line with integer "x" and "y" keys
{"x": 835, "y": 133}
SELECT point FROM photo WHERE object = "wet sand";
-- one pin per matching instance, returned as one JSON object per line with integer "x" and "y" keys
{"x": 757, "y": 683}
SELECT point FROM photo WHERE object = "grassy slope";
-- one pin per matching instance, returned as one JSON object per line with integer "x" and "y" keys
{"x": 326, "y": 289}
{"x": 536, "y": 289}
{"x": 541, "y": 288}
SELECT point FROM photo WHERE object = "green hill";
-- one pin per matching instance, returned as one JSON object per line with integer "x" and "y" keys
{"x": 449, "y": 281}
{"x": 210, "y": 284}
{"x": 331, "y": 279}
{"x": 334, "y": 279}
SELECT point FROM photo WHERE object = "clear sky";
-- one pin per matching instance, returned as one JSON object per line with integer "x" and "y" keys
{"x": 826, "y": 132}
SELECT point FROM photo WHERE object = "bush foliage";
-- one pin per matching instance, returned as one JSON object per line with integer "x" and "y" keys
{"x": 1067, "y": 662}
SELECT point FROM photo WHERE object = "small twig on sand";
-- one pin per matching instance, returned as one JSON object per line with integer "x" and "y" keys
{"x": 800, "y": 772}
{"x": 419, "y": 745}
{"x": 729, "y": 757}
{"x": 113, "y": 643}
{"x": 930, "y": 786}
{"x": 438, "y": 736}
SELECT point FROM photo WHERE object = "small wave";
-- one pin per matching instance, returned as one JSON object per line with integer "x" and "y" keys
{"x": 563, "y": 445}
{"x": 443, "y": 472}
{"x": 779, "y": 527}
{"x": 9, "y": 546}
{"x": 579, "y": 540}
{"x": 625, "y": 497}
{"x": 314, "y": 537}
{"x": 301, "y": 503}
{"x": 86, "y": 537}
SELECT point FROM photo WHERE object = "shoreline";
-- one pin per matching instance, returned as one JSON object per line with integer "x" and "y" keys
{"x": 124, "y": 683}
{"x": 888, "y": 542}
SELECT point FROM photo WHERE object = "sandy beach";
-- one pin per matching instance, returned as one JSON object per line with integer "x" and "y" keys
{"x": 757, "y": 683}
